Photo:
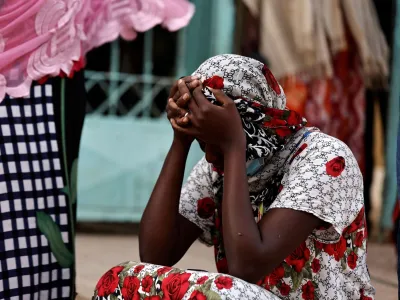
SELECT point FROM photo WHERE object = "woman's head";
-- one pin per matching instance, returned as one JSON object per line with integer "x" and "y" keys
{"x": 259, "y": 99}
{"x": 243, "y": 77}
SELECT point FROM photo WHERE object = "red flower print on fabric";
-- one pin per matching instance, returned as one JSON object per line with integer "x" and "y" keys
{"x": 138, "y": 269}
{"x": 219, "y": 172}
{"x": 337, "y": 249}
{"x": 284, "y": 289}
{"x": 319, "y": 245}
{"x": 315, "y": 265}
{"x": 298, "y": 152}
{"x": 352, "y": 260}
{"x": 205, "y": 208}
{"x": 335, "y": 166}
{"x": 271, "y": 80}
{"x": 153, "y": 298}
{"x": 273, "y": 122}
{"x": 358, "y": 223}
{"x": 215, "y": 82}
{"x": 202, "y": 280}
{"x": 359, "y": 238}
{"x": 223, "y": 282}
{"x": 293, "y": 118}
{"x": 276, "y": 276}
{"x": 147, "y": 282}
{"x": 175, "y": 286}
{"x": 108, "y": 282}
{"x": 163, "y": 270}
{"x": 130, "y": 288}
{"x": 308, "y": 291}
{"x": 363, "y": 297}
{"x": 197, "y": 295}
{"x": 283, "y": 131}
{"x": 299, "y": 257}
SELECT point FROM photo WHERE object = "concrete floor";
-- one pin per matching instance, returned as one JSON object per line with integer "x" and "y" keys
{"x": 96, "y": 253}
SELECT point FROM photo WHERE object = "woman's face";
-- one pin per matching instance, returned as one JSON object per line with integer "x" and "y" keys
{"x": 213, "y": 155}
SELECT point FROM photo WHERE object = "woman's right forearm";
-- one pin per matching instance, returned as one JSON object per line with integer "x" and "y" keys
{"x": 159, "y": 227}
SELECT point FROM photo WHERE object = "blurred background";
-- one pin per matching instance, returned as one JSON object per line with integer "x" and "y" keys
{"x": 337, "y": 62}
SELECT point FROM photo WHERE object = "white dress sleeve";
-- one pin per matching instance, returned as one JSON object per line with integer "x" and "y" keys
{"x": 324, "y": 180}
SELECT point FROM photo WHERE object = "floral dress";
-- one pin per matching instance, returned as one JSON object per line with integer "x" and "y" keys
{"x": 315, "y": 173}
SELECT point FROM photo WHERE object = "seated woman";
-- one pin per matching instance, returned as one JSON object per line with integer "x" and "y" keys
{"x": 281, "y": 203}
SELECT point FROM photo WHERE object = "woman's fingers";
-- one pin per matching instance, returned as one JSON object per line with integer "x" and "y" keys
{"x": 185, "y": 130}
{"x": 175, "y": 87}
{"x": 221, "y": 96}
{"x": 193, "y": 108}
{"x": 183, "y": 93}
{"x": 173, "y": 110}
{"x": 176, "y": 96}
{"x": 174, "y": 107}
{"x": 183, "y": 121}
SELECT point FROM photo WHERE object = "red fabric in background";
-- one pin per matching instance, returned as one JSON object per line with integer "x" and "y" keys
{"x": 335, "y": 105}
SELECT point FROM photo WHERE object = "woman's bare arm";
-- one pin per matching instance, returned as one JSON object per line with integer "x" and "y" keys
{"x": 165, "y": 235}
{"x": 252, "y": 249}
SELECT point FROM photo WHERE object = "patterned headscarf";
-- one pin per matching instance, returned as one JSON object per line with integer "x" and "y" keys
{"x": 259, "y": 99}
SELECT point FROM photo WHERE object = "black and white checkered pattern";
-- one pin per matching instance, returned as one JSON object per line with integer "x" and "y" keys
{"x": 30, "y": 181}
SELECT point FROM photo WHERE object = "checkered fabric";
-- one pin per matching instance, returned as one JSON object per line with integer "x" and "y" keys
{"x": 30, "y": 181}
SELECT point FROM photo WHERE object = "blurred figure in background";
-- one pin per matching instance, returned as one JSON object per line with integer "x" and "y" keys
{"x": 43, "y": 45}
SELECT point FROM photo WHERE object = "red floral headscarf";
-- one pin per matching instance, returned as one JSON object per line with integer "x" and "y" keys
{"x": 259, "y": 99}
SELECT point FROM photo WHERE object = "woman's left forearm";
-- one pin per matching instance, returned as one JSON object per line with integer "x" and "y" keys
{"x": 242, "y": 238}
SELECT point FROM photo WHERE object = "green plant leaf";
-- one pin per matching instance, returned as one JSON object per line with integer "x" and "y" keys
{"x": 74, "y": 181}
{"x": 113, "y": 297}
{"x": 128, "y": 265}
{"x": 153, "y": 290}
{"x": 71, "y": 190}
{"x": 344, "y": 263}
{"x": 53, "y": 234}
{"x": 211, "y": 295}
{"x": 65, "y": 190}
{"x": 208, "y": 284}
{"x": 200, "y": 289}
{"x": 297, "y": 278}
{"x": 121, "y": 279}
{"x": 306, "y": 273}
{"x": 288, "y": 270}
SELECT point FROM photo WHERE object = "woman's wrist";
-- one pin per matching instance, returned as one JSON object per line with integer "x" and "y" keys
{"x": 238, "y": 145}
{"x": 236, "y": 152}
{"x": 182, "y": 144}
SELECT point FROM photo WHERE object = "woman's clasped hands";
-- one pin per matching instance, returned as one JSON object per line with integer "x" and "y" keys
{"x": 193, "y": 116}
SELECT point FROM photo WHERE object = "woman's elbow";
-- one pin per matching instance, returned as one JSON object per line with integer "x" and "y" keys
{"x": 148, "y": 253}
{"x": 154, "y": 255}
